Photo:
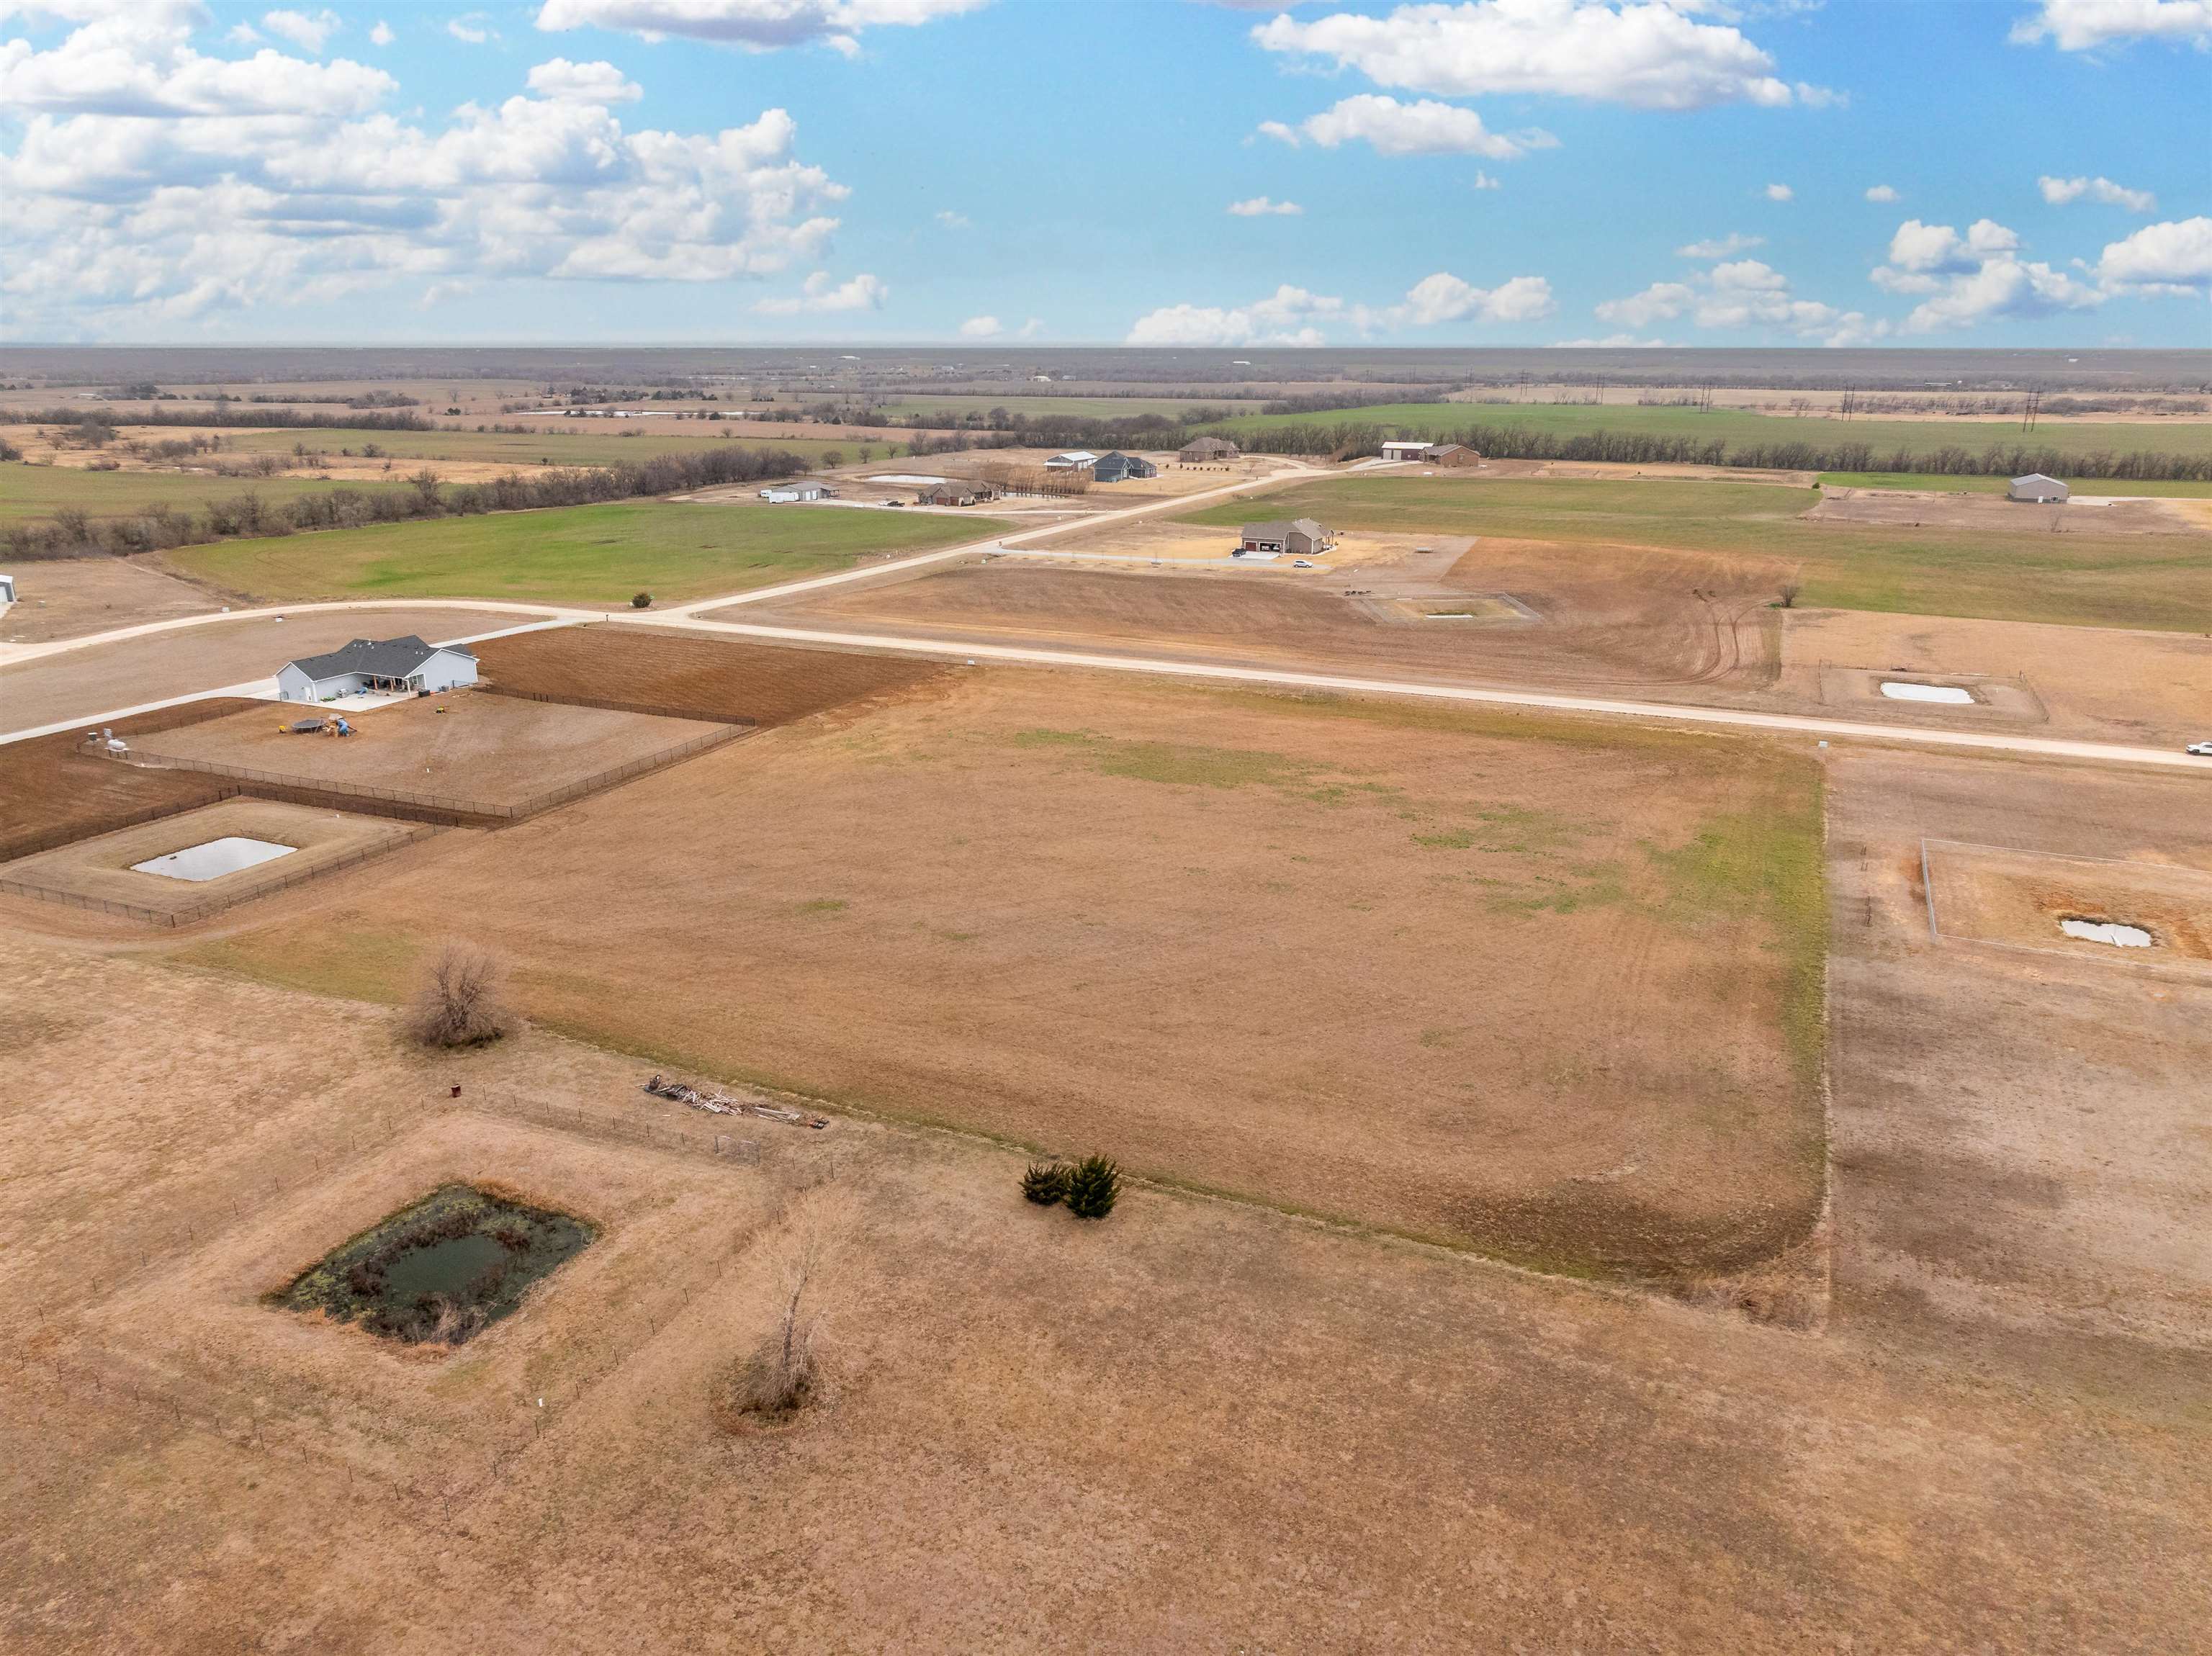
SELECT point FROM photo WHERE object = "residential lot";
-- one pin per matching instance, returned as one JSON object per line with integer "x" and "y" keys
{"x": 1544, "y": 989}
{"x": 86, "y": 682}
{"x": 473, "y": 746}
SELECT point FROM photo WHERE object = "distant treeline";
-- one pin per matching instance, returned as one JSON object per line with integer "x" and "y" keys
{"x": 71, "y": 534}
{"x": 1348, "y": 438}
{"x": 1324, "y": 402}
{"x": 230, "y": 414}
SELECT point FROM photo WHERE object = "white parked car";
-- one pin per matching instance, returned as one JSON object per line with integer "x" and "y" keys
{"x": 2202, "y": 749}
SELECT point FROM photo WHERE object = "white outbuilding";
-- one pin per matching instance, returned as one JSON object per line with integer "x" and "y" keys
{"x": 1411, "y": 449}
{"x": 1080, "y": 460}
{"x": 369, "y": 665}
{"x": 2036, "y": 486}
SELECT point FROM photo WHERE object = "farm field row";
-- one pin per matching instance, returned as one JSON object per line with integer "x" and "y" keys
{"x": 592, "y": 554}
{"x": 2151, "y": 581}
{"x": 589, "y": 443}
{"x": 1741, "y": 428}
{"x": 32, "y": 494}
{"x": 1078, "y": 408}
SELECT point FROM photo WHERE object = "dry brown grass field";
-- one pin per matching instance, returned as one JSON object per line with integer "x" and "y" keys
{"x": 1537, "y": 988}
{"x": 472, "y": 745}
{"x": 1200, "y": 1425}
{"x": 69, "y": 598}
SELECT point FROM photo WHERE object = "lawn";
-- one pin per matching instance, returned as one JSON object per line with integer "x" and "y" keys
{"x": 1073, "y": 408}
{"x": 591, "y": 555}
{"x": 2156, "y": 581}
{"x": 29, "y": 494}
{"x": 1740, "y": 427}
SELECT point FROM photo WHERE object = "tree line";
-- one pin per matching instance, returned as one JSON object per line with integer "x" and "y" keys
{"x": 1347, "y": 439}
{"x": 72, "y": 533}
{"x": 228, "y": 414}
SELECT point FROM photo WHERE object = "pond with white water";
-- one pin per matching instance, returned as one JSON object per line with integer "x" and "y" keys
{"x": 213, "y": 858}
{"x": 2112, "y": 932}
{"x": 1898, "y": 690}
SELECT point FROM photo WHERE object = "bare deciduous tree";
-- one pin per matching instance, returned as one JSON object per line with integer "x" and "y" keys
{"x": 784, "y": 1372}
{"x": 458, "y": 1002}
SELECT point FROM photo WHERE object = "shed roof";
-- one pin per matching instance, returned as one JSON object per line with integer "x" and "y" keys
{"x": 2034, "y": 477}
{"x": 390, "y": 658}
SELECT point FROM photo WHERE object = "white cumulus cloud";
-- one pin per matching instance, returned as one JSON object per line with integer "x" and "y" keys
{"x": 471, "y": 30}
{"x": 304, "y": 32}
{"x": 752, "y": 25}
{"x": 821, "y": 295}
{"x": 150, "y": 184}
{"x": 1881, "y": 192}
{"x": 1444, "y": 297}
{"x": 1286, "y": 316}
{"x": 2169, "y": 259}
{"x": 381, "y": 34}
{"x": 2085, "y": 25}
{"x": 1968, "y": 280}
{"x": 1719, "y": 247}
{"x": 1780, "y": 192}
{"x": 1742, "y": 295}
{"x": 1260, "y": 207}
{"x": 981, "y": 327}
{"x": 587, "y": 83}
{"x": 1651, "y": 55}
{"x": 2059, "y": 191}
{"x": 1423, "y": 128}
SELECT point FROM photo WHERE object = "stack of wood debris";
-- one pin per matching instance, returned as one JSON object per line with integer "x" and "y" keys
{"x": 723, "y": 1104}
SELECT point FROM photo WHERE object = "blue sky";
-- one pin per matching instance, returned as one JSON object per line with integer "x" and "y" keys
{"x": 1502, "y": 172}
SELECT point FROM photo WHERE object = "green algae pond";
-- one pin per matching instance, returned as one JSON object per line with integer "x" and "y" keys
{"x": 440, "y": 1269}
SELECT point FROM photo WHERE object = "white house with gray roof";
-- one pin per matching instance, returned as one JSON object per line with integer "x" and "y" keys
{"x": 396, "y": 665}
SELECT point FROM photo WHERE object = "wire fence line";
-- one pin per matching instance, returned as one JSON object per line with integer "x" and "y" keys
{"x": 213, "y": 905}
{"x": 485, "y": 808}
{"x": 660, "y": 710}
{"x": 70, "y": 833}
{"x": 441, "y": 1466}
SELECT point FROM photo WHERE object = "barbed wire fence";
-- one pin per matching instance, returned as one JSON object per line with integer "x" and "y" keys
{"x": 434, "y": 1474}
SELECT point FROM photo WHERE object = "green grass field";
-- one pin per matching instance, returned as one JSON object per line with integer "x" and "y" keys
{"x": 28, "y": 494}
{"x": 1996, "y": 485}
{"x": 1080, "y": 407}
{"x": 1739, "y": 427}
{"x": 593, "y": 554}
{"x": 2156, "y": 581}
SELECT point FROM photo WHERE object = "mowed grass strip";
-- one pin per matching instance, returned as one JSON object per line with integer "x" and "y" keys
{"x": 2160, "y": 582}
{"x": 593, "y": 554}
{"x": 1740, "y": 428}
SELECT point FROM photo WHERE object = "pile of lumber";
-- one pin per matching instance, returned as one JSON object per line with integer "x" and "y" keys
{"x": 723, "y": 1104}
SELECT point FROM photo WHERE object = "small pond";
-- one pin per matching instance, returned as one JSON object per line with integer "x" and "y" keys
{"x": 213, "y": 858}
{"x": 1898, "y": 691}
{"x": 2112, "y": 932}
{"x": 440, "y": 1269}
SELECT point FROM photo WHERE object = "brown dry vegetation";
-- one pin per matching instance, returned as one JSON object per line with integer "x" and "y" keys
{"x": 472, "y": 745}
{"x": 53, "y": 791}
{"x": 685, "y": 674}
{"x": 1201, "y": 1427}
{"x": 68, "y": 598}
{"x": 1537, "y": 987}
